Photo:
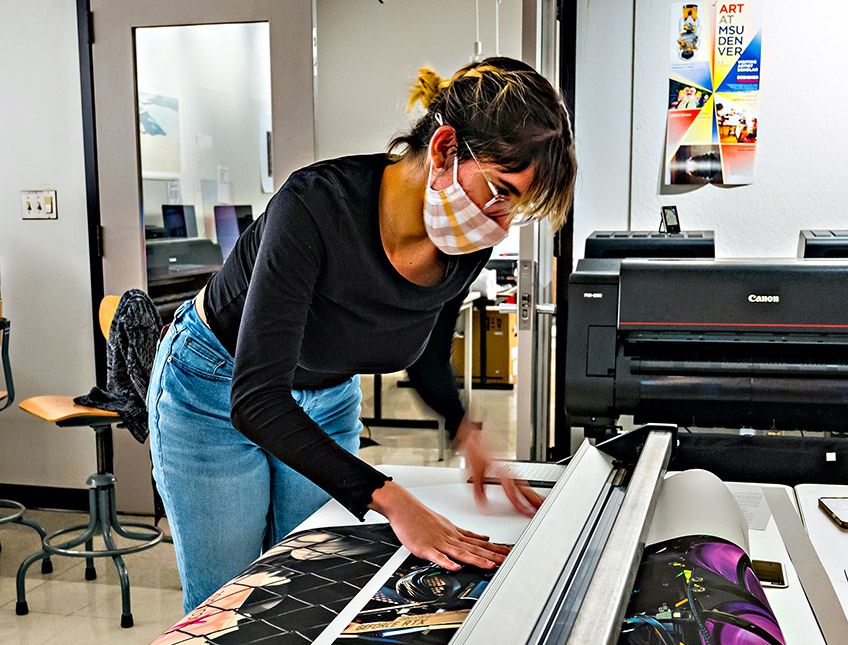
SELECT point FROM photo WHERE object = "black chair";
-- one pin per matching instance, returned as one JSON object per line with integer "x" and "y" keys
{"x": 7, "y": 397}
{"x": 103, "y": 519}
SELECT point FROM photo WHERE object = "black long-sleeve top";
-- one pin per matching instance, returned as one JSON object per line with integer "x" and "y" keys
{"x": 308, "y": 298}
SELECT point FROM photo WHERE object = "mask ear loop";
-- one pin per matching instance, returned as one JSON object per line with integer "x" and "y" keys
{"x": 456, "y": 169}
{"x": 440, "y": 121}
{"x": 438, "y": 118}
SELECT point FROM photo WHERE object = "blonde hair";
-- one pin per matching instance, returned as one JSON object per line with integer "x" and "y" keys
{"x": 425, "y": 89}
{"x": 508, "y": 114}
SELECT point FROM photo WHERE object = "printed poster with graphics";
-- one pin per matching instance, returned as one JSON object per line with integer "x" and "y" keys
{"x": 714, "y": 82}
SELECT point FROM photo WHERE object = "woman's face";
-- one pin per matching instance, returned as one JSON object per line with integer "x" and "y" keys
{"x": 473, "y": 179}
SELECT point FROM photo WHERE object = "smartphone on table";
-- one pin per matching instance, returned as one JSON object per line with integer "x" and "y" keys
{"x": 836, "y": 508}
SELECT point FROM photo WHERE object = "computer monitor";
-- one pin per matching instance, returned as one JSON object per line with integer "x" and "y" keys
{"x": 244, "y": 217}
{"x": 505, "y": 267}
{"x": 179, "y": 220}
{"x": 823, "y": 244}
{"x": 650, "y": 244}
{"x": 230, "y": 222}
{"x": 169, "y": 257}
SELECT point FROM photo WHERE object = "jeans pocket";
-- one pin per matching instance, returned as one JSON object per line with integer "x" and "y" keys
{"x": 195, "y": 358}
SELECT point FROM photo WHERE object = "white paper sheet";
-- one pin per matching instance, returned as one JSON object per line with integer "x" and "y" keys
{"x": 753, "y": 504}
{"x": 696, "y": 502}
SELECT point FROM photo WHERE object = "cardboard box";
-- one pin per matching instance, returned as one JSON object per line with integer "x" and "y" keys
{"x": 501, "y": 347}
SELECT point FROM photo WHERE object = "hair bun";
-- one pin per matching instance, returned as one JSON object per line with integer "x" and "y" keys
{"x": 426, "y": 88}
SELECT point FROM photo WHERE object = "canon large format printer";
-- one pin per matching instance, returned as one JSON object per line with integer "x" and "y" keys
{"x": 712, "y": 343}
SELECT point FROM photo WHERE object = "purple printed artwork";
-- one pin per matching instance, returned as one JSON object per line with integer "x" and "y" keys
{"x": 698, "y": 590}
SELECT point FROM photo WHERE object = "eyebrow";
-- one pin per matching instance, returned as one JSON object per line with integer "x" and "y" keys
{"x": 512, "y": 189}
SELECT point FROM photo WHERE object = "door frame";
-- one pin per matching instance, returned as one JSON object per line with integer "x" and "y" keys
{"x": 92, "y": 190}
{"x": 113, "y": 24}
{"x": 545, "y": 259}
{"x": 564, "y": 239}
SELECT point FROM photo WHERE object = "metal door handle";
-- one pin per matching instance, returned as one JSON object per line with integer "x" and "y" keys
{"x": 511, "y": 308}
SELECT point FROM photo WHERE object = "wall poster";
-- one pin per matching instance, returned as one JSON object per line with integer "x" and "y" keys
{"x": 159, "y": 132}
{"x": 714, "y": 82}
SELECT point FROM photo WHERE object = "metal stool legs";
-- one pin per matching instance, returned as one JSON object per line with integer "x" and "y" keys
{"x": 18, "y": 518}
{"x": 103, "y": 521}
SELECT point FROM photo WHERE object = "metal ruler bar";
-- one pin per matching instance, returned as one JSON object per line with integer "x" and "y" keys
{"x": 520, "y": 590}
{"x": 560, "y": 615}
{"x": 600, "y": 616}
{"x": 814, "y": 579}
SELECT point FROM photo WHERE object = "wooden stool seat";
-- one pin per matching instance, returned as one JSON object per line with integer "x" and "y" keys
{"x": 61, "y": 408}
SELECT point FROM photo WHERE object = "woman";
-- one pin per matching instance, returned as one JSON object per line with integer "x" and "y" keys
{"x": 358, "y": 265}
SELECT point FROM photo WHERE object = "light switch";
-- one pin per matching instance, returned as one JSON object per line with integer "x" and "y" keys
{"x": 38, "y": 204}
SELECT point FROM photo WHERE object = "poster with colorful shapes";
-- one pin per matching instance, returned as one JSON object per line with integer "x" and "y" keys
{"x": 714, "y": 82}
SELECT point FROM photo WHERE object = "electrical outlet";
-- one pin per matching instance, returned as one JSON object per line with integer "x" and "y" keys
{"x": 38, "y": 204}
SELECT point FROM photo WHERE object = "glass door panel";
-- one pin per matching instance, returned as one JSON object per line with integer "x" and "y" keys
{"x": 205, "y": 146}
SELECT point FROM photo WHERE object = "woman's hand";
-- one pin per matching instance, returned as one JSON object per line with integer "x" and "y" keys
{"x": 430, "y": 536}
{"x": 469, "y": 439}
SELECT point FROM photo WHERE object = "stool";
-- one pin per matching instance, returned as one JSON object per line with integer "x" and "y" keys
{"x": 17, "y": 517}
{"x": 103, "y": 519}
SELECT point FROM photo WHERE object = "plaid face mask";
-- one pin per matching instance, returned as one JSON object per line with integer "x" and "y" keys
{"x": 454, "y": 223}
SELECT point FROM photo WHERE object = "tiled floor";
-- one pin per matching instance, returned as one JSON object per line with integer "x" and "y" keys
{"x": 66, "y": 609}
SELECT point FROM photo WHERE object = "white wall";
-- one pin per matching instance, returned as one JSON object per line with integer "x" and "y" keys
{"x": 369, "y": 54}
{"x": 368, "y": 59}
{"x": 602, "y": 120}
{"x": 46, "y": 283}
{"x": 801, "y": 143}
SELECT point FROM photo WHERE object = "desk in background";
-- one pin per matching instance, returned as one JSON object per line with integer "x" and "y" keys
{"x": 177, "y": 269}
{"x": 466, "y": 312}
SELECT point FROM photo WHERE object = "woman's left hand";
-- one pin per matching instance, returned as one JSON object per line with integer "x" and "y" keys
{"x": 469, "y": 439}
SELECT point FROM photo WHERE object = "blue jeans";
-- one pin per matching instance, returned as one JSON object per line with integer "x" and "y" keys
{"x": 226, "y": 499}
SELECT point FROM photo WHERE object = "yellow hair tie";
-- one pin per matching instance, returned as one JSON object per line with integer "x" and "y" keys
{"x": 429, "y": 84}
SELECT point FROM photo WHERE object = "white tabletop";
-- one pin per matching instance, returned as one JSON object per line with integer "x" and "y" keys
{"x": 445, "y": 491}
{"x": 830, "y": 541}
{"x": 790, "y": 605}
